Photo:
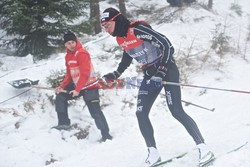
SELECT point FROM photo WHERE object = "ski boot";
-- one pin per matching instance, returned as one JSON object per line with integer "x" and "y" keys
{"x": 206, "y": 157}
{"x": 153, "y": 157}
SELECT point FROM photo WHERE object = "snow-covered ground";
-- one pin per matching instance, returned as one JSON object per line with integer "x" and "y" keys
{"x": 26, "y": 137}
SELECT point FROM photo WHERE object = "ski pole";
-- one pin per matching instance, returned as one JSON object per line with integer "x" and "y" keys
{"x": 189, "y": 103}
{"x": 186, "y": 102}
{"x": 205, "y": 87}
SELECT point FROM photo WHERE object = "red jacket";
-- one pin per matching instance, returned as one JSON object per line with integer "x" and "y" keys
{"x": 79, "y": 69}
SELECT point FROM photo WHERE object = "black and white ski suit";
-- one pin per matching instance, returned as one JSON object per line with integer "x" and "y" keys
{"x": 150, "y": 48}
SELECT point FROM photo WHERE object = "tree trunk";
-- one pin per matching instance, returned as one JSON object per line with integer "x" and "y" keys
{"x": 95, "y": 15}
{"x": 122, "y": 7}
{"x": 210, "y": 4}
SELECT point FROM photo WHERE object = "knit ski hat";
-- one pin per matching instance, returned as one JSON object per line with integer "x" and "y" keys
{"x": 69, "y": 36}
{"x": 122, "y": 23}
{"x": 109, "y": 14}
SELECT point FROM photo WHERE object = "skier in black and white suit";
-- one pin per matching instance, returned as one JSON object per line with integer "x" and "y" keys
{"x": 155, "y": 52}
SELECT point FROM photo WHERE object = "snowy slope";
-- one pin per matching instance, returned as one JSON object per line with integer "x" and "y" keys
{"x": 26, "y": 139}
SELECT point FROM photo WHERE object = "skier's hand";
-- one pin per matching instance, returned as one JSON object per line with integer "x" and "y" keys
{"x": 74, "y": 93}
{"x": 160, "y": 74}
{"x": 112, "y": 75}
{"x": 150, "y": 71}
{"x": 162, "y": 71}
{"x": 59, "y": 90}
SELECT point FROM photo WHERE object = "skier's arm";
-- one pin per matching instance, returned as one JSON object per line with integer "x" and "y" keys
{"x": 123, "y": 65}
{"x": 146, "y": 33}
{"x": 125, "y": 62}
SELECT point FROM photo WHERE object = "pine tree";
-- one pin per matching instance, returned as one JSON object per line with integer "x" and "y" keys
{"x": 210, "y": 4}
{"x": 122, "y": 7}
{"x": 36, "y": 26}
{"x": 95, "y": 15}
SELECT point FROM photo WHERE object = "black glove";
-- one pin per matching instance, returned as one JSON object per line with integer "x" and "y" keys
{"x": 162, "y": 71}
{"x": 112, "y": 75}
{"x": 150, "y": 71}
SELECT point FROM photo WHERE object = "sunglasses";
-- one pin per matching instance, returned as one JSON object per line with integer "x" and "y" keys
{"x": 106, "y": 25}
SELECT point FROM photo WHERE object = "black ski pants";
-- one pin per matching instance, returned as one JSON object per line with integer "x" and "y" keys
{"x": 148, "y": 92}
{"x": 91, "y": 98}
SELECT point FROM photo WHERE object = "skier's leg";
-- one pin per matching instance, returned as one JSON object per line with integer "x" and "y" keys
{"x": 91, "y": 98}
{"x": 61, "y": 106}
{"x": 147, "y": 94}
{"x": 146, "y": 97}
{"x": 173, "y": 97}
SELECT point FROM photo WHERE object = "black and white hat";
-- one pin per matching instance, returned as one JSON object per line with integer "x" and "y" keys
{"x": 121, "y": 22}
{"x": 109, "y": 14}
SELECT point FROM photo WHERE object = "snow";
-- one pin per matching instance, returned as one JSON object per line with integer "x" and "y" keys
{"x": 26, "y": 137}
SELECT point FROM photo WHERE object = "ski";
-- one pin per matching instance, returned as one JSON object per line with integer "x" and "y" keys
{"x": 207, "y": 164}
{"x": 212, "y": 160}
{"x": 170, "y": 160}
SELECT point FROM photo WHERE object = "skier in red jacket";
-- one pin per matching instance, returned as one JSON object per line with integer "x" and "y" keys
{"x": 154, "y": 52}
{"x": 80, "y": 80}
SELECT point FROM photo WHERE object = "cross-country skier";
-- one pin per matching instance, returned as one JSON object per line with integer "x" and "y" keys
{"x": 155, "y": 53}
{"x": 79, "y": 75}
